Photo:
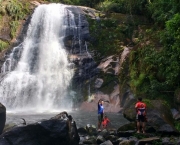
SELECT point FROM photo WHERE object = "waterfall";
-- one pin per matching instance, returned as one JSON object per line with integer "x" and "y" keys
{"x": 39, "y": 79}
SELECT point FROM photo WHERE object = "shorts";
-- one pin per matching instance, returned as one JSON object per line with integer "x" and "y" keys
{"x": 104, "y": 125}
{"x": 140, "y": 118}
{"x": 100, "y": 117}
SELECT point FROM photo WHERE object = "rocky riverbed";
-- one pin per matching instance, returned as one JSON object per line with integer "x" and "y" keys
{"x": 80, "y": 128}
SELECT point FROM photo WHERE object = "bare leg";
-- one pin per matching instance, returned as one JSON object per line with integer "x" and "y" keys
{"x": 138, "y": 127}
{"x": 143, "y": 127}
{"x": 99, "y": 125}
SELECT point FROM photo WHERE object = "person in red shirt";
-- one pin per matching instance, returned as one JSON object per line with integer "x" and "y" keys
{"x": 105, "y": 122}
{"x": 140, "y": 114}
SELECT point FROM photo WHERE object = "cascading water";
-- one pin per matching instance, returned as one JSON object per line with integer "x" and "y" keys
{"x": 39, "y": 80}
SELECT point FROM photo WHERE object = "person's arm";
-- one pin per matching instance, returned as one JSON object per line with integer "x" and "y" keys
{"x": 145, "y": 109}
{"x": 136, "y": 107}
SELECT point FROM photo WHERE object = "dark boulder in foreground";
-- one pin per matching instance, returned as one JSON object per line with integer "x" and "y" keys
{"x": 2, "y": 117}
{"x": 59, "y": 130}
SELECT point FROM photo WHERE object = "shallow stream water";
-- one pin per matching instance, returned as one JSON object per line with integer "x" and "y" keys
{"x": 82, "y": 118}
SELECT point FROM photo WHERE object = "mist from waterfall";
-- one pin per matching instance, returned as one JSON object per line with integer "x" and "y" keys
{"x": 40, "y": 79}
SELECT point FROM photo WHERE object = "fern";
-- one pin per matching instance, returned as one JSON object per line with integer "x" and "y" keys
{"x": 16, "y": 9}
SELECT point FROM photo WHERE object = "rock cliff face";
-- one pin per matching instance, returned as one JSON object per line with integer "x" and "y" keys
{"x": 91, "y": 80}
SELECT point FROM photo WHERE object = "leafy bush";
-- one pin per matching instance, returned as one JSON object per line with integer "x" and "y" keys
{"x": 3, "y": 45}
{"x": 177, "y": 125}
{"x": 106, "y": 37}
{"x": 108, "y": 6}
{"x": 13, "y": 26}
{"x": 17, "y": 10}
{"x": 162, "y": 11}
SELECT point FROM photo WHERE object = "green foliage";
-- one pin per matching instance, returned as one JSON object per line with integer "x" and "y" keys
{"x": 13, "y": 26}
{"x": 89, "y": 3}
{"x": 3, "y": 45}
{"x": 177, "y": 125}
{"x": 108, "y": 6}
{"x": 136, "y": 6}
{"x": 17, "y": 10}
{"x": 157, "y": 142}
{"x": 139, "y": 135}
{"x": 148, "y": 103}
{"x": 161, "y": 10}
{"x": 2, "y": 10}
{"x": 63, "y": 1}
{"x": 107, "y": 37}
{"x": 154, "y": 72}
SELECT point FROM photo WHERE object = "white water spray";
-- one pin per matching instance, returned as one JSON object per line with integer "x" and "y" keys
{"x": 41, "y": 78}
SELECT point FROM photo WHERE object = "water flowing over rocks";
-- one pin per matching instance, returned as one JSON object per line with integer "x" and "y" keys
{"x": 88, "y": 79}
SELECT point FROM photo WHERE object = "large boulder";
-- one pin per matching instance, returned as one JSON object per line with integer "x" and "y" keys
{"x": 159, "y": 116}
{"x": 177, "y": 99}
{"x": 60, "y": 129}
{"x": 2, "y": 117}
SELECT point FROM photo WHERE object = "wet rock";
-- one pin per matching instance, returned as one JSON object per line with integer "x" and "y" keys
{"x": 90, "y": 140}
{"x": 133, "y": 138}
{"x": 112, "y": 138}
{"x": 129, "y": 111}
{"x": 127, "y": 142}
{"x": 112, "y": 132}
{"x": 82, "y": 130}
{"x": 166, "y": 141}
{"x": 121, "y": 139}
{"x": 150, "y": 128}
{"x": 100, "y": 139}
{"x": 91, "y": 129}
{"x": 126, "y": 127}
{"x": 98, "y": 83}
{"x": 177, "y": 99}
{"x": 126, "y": 133}
{"x": 148, "y": 140}
{"x": 167, "y": 129}
{"x": 108, "y": 142}
{"x": 58, "y": 130}
{"x": 176, "y": 114}
{"x": 104, "y": 133}
{"x": 9, "y": 126}
{"x": 2, "y": 117}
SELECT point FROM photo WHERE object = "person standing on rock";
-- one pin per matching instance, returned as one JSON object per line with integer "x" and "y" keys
{"x": 100, "y": 113}
{"x": 141, "y": 115}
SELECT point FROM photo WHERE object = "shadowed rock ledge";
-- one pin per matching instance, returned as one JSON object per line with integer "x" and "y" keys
{"x": 60, "y": 129}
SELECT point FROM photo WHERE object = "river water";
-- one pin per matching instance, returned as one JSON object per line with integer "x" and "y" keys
{"x": 82, "y": 118}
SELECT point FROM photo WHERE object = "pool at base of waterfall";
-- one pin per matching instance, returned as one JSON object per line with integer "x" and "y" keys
{"x": 81, "y": 118}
